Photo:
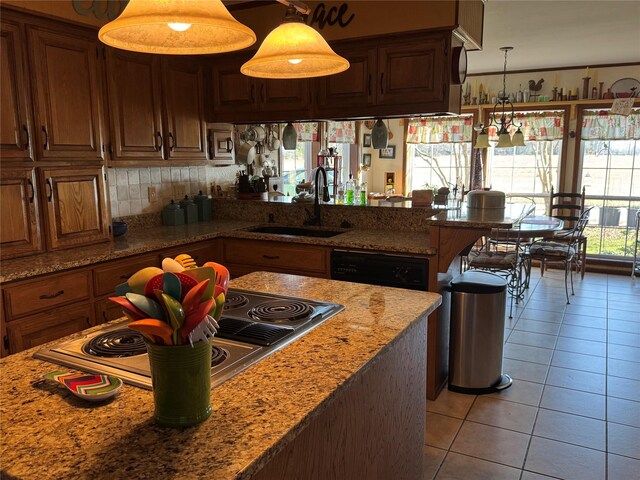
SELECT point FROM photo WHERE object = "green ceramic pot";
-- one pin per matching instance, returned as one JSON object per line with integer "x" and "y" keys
{"x": 181, "y": 377}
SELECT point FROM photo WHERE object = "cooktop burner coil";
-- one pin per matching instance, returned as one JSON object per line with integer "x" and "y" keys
{"x": 235, "y": 300}
{"x": 123, "y": 342}
{"x": 281, "y": 311}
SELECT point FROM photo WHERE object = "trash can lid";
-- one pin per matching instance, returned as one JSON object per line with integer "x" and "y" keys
{"x": 475, "y": 281}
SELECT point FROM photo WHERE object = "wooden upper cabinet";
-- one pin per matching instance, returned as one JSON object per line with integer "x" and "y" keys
{"x": 284, "y": 96}
{"x": 232, "y": 92}
{"x": 67, "y": 95}
{"x": 135, "y": 100}
{"x": 352, "y": 88}
{"x": 412, "y": 71}
{"x": 75, "y": 206}
{"x": 184, "y": 108}
{"x": 20, "y": 226}
{"x": 15, "y": 118}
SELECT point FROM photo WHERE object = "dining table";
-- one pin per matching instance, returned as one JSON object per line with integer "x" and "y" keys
{"x": 540, "y": 226}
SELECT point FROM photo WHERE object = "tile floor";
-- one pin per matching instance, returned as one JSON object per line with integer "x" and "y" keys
{"x": 573, "y": 411}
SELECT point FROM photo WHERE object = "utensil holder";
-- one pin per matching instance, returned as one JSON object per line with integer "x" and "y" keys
{"x": 181, "y": 378}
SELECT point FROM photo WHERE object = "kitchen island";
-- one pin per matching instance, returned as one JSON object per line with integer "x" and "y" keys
{"x": 346, "y": 400}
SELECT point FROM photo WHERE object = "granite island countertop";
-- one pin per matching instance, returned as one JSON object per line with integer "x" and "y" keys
{"x": 46, "y": 432}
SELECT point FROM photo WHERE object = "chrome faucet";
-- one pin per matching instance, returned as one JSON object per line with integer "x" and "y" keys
{"x": 315, "y": 219}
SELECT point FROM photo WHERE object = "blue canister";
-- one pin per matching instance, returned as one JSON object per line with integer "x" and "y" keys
{"x": 190, "y": 210}
{"x": 203, "y": 202}
{"x": 172, "y": 214}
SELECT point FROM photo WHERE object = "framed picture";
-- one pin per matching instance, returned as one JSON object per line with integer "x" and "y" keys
{"x": 366, "y": 140}
{"x": 389, "y": 152}
{"x": 366, "y": 159}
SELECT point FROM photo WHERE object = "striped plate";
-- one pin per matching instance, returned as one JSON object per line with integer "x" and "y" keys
{"x": 87, "y": 386}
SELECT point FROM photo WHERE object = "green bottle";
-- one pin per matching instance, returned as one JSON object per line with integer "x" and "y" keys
{"x": 350, "y": 191}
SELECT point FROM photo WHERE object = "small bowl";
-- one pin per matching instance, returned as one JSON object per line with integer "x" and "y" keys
{"x": 119, "y": 228}
{"x": 623, "y": 94}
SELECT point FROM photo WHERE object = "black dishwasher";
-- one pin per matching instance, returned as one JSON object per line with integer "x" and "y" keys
{"x": 388, "y": 270}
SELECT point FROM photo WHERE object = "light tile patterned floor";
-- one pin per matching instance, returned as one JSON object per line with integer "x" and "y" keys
{"x": 573, "y": 411}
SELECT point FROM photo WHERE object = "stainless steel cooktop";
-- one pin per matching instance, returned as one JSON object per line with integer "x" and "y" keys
{"x": 253, "y": 326}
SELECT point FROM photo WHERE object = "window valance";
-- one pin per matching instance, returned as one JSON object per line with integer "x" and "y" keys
{"x": 536, "y": 126}
{"x": 342, "y": 132}
{"x": 456, "y": 129}
{"x": 307, "y": 132}
{"x": 602, "y": 125}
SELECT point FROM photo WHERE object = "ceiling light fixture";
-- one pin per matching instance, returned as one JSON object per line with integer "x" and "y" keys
{"x": 294, "y": 50}
{"x": 177, "y": 27}
{"x": 379, "y": 135}
{"x": 502, "y": 118}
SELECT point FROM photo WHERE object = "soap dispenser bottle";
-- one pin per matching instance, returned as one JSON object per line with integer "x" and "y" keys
{"x": 350, "y": 190}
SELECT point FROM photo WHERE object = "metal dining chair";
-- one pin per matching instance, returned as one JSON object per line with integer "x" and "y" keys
{"x": 563, "y": 253}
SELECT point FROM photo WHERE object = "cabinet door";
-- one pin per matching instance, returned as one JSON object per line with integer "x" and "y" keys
{"x": 106, "y": 310}
{"x": 232, "y": 92}
{"x": 67, "y": 95}
{"x": 184, "y": 108}
{"x": 19, "y": 223}
{"x": 38, "y": 329}
{"x": 412, "y": 71}
{"x": 75, "y": 206}
{"x": 135, "y": 105}
{"x": 15, "y": 142}
{"x": 354, "y": 87}
{"x": 284, "y": 96}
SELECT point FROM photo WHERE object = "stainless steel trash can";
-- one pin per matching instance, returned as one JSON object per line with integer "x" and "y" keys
{"x": 478, "y": 302}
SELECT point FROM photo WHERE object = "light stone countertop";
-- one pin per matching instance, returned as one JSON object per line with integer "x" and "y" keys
{"x": 46, "y": 432}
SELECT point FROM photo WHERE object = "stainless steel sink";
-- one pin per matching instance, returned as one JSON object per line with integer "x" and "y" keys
{"x": 295, "y": 231}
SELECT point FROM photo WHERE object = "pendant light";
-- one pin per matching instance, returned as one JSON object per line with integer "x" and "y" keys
{"x": 178, "y": 27}
{"x": 289, "y": 137}
{"x": 482, "y": 139}
{"x": 379, "y": 135}
{"x": 294, "y": 50}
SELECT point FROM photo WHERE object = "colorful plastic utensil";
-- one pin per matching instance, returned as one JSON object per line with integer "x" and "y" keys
{"x": 87, "y": 386}
{"x": 194, "y": 296}
{"x": 129, "y": 307}
{"x": 139, "y": 280}
{"x": 171, "y": 285}
{"x": 176, "y": 314}
{"x": 153, "y": 327}
{"x": 217, "y": 311}
{"x": 170, "y": 265}
{"x": 186, "y": 261}
{"x": 201, "y": 274}
{"x": 222, "y": 274}
{"x": 147, "y": 305}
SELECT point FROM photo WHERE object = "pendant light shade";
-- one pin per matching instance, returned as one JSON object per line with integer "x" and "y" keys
{"x": 178, "y": 27}
{"x": 518, "y": 139}
{"x": 504, "y": 140}
{"x": 482, "y": 140}
{"x": 294, "y": 50}
{"x": 379, "y": 135}
{"x": 289, "y": 137}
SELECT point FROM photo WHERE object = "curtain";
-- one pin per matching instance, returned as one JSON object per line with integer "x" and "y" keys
{"x": 536, "y": 126}
{"x": 342, "y": 132}
{"x": 440, "y": 130}
{"x": 602, "y": 125}
{"x": 307, "y": 132}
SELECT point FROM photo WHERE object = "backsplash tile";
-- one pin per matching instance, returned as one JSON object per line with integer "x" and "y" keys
{"x": 128, "y": 187}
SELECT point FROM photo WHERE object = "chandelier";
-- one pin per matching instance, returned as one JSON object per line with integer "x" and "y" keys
{"x": 502, "y": 117}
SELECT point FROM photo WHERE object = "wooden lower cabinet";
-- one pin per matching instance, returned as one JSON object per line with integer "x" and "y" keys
{"x": 34, "y": 330}
{"x": 245, "y": 256}
{"x": 201, "y": 252}
{"x": 105, "y": 311}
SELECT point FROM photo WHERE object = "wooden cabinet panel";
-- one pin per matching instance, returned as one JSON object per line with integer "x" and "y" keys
{"x": 106, "y": 310}
{"x": 76, "y": 206}
{"x": 67, "y": 95}
{"x": 184, "y": 100}
{"x": 52, "y": 291}
{"x": 201, "y": 252}
{"x": 19, "y": 221}
{"x": 38, "y": 329}
{"x": 284, "y": 96}
{"x": 354, "y": 87}
{"x": 232, "y": 92}
{"x": 15, "y": 118}
{"x": 281, "y": 256}
{"x": 107, "y": 276}
{"x": 412, "y": 72}
{"x": 135, "y": 105}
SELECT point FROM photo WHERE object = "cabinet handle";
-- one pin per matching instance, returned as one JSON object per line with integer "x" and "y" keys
{"x": 382, "y": 83}
{"x": 5, "y": 340}
{"x": 253, "y": 94}
{"x": 262, "y": 93}
{"x": 46, "y": 138}
{"x": 52, "y": 295}
{"x": 158, "y": 145}
{"x": 50, "y": 187}
{"x": 26, "y": 136}
{"x": 271, "y": 257}
{"x": 32, "y": 190}
{"x": 126, "y": 277}
{"x": 229, "y": 145}
{"x": 104, "y": 316}
{"x": 370, "y": 79}
{"x": 172, "y": 142}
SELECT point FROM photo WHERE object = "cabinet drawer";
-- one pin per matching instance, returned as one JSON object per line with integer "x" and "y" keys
{"x": 201, "y": 252}
{"x": 286, "y": 256}
{"x": 106, "y": 310}
{"x": 106, "y": 277}
{"x": 49, "y": 292}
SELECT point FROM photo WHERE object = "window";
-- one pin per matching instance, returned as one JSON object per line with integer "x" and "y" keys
{"x": 439, "y": 152}
{"x": 610, "y": 150}
{"x": 529, "y": 172}
{"x": 295, "y": 166}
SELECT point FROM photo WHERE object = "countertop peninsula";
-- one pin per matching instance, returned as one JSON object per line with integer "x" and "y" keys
{"x": 46, "y": 432}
